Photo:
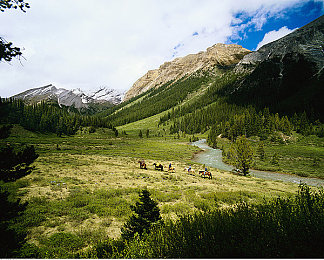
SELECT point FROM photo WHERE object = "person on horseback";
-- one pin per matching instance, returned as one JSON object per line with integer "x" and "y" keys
{"x": 189, "y": 169}
{"x": 170, "y": 166}
{"x": 205, "y": 171}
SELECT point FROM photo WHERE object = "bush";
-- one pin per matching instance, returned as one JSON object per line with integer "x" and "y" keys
{"x": 15, "y": 161}
{"x": 106, "y": 249}
{"x": 281, "y": 228}
{"x": 92, "y": 129}
{"x": 5, "y": 131}
{"x": 11, "y": 239}
{"x": 61, "y": 245}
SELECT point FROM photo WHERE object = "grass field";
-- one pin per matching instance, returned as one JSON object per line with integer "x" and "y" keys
{"x": 82, "y": 186}
{"x": 300, "y": 155}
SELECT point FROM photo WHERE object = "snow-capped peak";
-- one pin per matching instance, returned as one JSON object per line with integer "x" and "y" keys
{"x": 76, "y": 97}
{"x": 104, "y": 93}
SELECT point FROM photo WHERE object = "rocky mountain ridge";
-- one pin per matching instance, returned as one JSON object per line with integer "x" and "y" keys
{"x": 286, "y": 74}
{"x": 218, "y": 54}
{"x": 76, "y": 97}
{"x": 307, "y": 41}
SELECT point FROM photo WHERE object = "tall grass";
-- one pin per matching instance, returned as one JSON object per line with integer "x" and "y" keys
{"x": 290, "y": 227}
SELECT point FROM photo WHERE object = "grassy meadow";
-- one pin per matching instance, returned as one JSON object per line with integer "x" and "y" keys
{"x": 300, "y": 155}
{"x": 83, "y": 185}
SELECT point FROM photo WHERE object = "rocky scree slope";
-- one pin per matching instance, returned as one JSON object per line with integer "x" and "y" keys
{"x": 219, "y": 54}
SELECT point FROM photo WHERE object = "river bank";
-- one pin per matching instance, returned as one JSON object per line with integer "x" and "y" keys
{"x": 213, "y": 158}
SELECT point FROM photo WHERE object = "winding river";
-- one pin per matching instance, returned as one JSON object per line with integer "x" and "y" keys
{"x": 213, "y": 158}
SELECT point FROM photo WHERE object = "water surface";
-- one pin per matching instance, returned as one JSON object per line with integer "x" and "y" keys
{"x": 213, "y": 158}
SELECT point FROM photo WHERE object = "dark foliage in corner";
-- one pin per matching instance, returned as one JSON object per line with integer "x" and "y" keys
{"x": 14, "y": 163}
{"x": 5, "y": 131}
{"x": 10, "y": 240}
{"x": 7, "y": 50}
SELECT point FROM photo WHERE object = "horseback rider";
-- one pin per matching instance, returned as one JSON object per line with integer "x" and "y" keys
{"x": 205, "y": 171}
{"x": 189, "y": 169}
{"x": 170, "y": 166}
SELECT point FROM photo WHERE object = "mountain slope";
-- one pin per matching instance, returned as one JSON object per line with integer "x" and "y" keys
{"x": 219, "y": 54}
{"x": 287, "y": 74}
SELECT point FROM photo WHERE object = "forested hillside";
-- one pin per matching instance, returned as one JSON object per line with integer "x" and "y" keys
{"x": 45, "y": 117}
{"x": 277, "y": 88}
{"x": 196, "y": 104}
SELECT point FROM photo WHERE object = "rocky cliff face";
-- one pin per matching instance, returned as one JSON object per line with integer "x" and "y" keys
{"x": 77, "y": 97}
{"x": 306, "y": 42}
{"x": 286, "y": 74}
{"x": 218, "y": 54}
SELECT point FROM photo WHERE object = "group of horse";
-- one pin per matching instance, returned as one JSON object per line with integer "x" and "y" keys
{"x": 202, "y": 173}
{"x": 159, "y": 167}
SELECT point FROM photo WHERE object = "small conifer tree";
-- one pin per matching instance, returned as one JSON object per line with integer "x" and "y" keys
{"x": 261, "y": 151}
{"x": 275, "y": 159}
{"x": 146, "y": 214}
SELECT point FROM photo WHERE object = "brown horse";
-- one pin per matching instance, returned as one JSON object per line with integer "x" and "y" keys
{"x": 158, "y": 166}
{"x": 142, "y": 164}
{"x": 205, "y": 174}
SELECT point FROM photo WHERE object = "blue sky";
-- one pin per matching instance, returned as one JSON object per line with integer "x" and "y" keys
{"x": 113, "y": 43}
{"x": 292, "y": 18}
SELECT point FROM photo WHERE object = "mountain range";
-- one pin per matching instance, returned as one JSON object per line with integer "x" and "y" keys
{"x": 77, "y": 98}
{"x": 285, "y": 75}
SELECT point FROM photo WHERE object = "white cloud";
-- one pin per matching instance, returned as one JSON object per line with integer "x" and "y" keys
{"x": 88, "y": 44}
{"x": 274, "y": 35}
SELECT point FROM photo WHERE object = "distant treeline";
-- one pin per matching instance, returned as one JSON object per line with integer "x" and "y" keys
{"x": 44, "y": 117}
{"x": 231, "y": 121}
{"x": 210, "y": 110}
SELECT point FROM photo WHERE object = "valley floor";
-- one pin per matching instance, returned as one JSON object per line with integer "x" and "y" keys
{"x": 83, "y": 185}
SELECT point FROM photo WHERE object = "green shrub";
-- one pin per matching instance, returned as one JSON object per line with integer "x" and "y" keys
{"x": 202, "y": 204}
{"x": 284, "y": 228}
{"x": 106, "y": 249}
{"x": 61, "y": 245}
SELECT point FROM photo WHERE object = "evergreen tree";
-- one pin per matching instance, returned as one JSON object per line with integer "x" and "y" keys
{"x": 146, "y": 214}
{"x": 285, "y": 125}
{"x": 140, "y": 134}
{"x": 275, "y": 159}
{"x": 261, "y": 151}
{"x": 303, "y": 124}
{"x": 242, "y": 154}
{"x": 147, "y": 133}
{"x": 115, "y": 131}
